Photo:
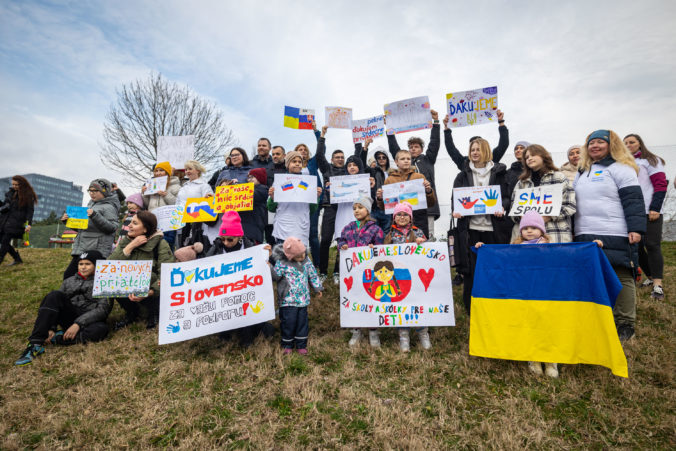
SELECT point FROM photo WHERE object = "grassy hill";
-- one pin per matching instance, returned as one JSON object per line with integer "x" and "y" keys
{"x": 129, "y": 392}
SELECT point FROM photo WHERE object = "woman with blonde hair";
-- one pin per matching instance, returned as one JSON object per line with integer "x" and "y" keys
{"x": 196, "y": 186}
{"x": 610, "y": 208}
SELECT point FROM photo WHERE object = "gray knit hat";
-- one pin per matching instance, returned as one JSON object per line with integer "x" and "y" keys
{"x": 365, "y": 202}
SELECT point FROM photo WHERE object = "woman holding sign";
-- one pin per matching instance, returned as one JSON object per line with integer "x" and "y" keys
{"x": 238, "y": 168}
{"x": 16, "y": 216}
{"x": 195, "y": 187}
{"x": 166, "y": 196}
{"x": 539, "y": 170}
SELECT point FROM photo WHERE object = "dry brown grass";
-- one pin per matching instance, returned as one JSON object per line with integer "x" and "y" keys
{"x": 130, "y": 392}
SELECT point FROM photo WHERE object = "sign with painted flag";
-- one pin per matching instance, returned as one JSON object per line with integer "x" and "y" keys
{"x": 477, "y": 200}
{"x": 298, "y": 118}
{"x": 176, "y": 150}
{"x": 397, "y": 285}
{"x": 214, "y": 294}
{"x": 169, "y": 217}
{"x": 545, "y": 199}
{"x": 478, "y": 106}
{"x": 199, "y": 209}
{"x": 551, "y": 303}
{"x": 77, "y": 217}
{"x": 372, "y": 127}
{"x": 295, "y": 188}
{"x": 408, "y": 115}
{"x": 412, "y": 192}
{"x": 155, "y": 185}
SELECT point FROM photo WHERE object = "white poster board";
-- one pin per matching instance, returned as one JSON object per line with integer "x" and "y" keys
{"x": 295, "y": 188}
{"x": 338, "y": 117}
{"x": 412, "y": 192}
{"x": 397, "y": 285}
{"x": 372, "y": 127}
{"x": 169, "y": 217}
{"x": 210, "y": 295}
{"x": 545, "y": 199}
{"x": 348, "y": 188}
{"x": 176, "y": 150}
{"x": 120, "y": 278}
{"x": 408, "y": 115}
{"x": 477, "y": 200}
{"x": 478, "y": 106}
{"x": 155, "y": 185}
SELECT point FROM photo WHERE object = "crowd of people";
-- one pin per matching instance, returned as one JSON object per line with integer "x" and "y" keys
{"x": 613, "y": 191}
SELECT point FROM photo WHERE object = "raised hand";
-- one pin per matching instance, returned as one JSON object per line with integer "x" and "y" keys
{"x": 435, "y": 115}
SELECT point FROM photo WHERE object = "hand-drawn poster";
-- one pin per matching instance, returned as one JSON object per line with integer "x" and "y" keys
{"x": 478, "y": 106}
{"x": 176, "y": 150}
{"x": 234, "y": 197}
{"x": 120, "y": 278}
{"x": 408, "y": 115}
{"x": 348, "y": 188}
{"x": 214, "y": 294}
{"x": 372, "y": 127}
{"x": 298, "y": 118}
{"x": 397, "y": 285}
{"x": 199, "y": 209}
{"x": 477, "y": 200}
{"x": 412, "y": 192}
{"x": 338, "y": 117}
{"x": 77, "y": 217}
{"x": 295, "y": 188}
{"x": 169, "y": 217}
{"x": 155, "y": 185}
{"x": 545, "y": 199}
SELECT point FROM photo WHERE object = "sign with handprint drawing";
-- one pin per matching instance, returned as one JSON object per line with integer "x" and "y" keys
{"x": 477, "y": 200}
{"x": 214, "y": 294}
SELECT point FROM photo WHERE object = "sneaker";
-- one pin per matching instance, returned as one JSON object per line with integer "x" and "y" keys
{"x": 29, "y": 354}
{"x": 404, "y": 340}
{"x": 356, "y": 336}
{"x": 322, "y": 278}
{"x": 151, "y": 322}
{"x": 287, "y": 351}
{"x": 646, "y": 283}
{"x": 552, "y": 370}
{"x": 336, "y": 278}
{"x": 57, "y": 338}
{"x": 535, "y": 367}
{"x": 424, "y": 336}
{"x": 124, "y": 322}
{"x": 374, "y": 338}
{"x": 302, "y": 351}
{"x": 458, "y": 280}
{"x": 657, "y": 293}
{"x": 625, "y": 332}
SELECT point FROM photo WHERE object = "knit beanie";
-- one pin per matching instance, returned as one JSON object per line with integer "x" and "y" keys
{"x": 188, "y": 253}
{"x": 571, "y": 148}
{"x": 403, "y": 207}
{"x": 532, "y": 219}
{"x": 166, "y": 166}
{"x": 290, "y": 156}
{"x": 231, "y": 224}
{"x": 600, "y": 134}
{"x": 365, "y": 202}
{"x": 260, "y": 174}
{"x": 293, "y": 247}
{"x": 91, "y": 256}
{"x": 102, "y": 185}
{"x": 135, "y": 198}
{"x": 522, "y": 143}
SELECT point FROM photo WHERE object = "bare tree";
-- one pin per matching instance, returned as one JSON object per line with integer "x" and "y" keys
{"x": 148, "y": 109}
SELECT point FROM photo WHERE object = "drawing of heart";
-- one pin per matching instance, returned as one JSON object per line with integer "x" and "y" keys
{"x": 189, "y": 275}
{"x": 348, "y": 282}
{"x": 426, "y": 277}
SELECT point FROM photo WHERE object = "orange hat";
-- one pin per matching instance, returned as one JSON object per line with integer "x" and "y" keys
{"x": 166, "y": 166}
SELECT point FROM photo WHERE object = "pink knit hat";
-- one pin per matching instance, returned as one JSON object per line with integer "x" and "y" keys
{"x": 135, "y": 198}
{"x": 403, "y": 207}
{"x": 293, "y": 247}
{"x": 231, "y": 224}
{"x": 188, "y": 253}
{"x": 532, "y": 219}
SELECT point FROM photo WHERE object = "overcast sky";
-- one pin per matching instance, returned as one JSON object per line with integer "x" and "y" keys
{"x": 563, "y": 69}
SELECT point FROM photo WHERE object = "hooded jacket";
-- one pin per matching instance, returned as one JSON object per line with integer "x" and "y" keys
{"x": 102, "y": 225}
{"x": 153, "y": 201}
{"x": 155, "y": 249}
{"x": 254, "y": 221}
{"x": 13, "y": 217}
{"x": 88, "y": 308}
{"x": 293, "y": 279}
{"x": 377, "y": 173}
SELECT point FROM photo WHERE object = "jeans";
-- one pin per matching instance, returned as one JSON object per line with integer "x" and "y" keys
{"x": 293, "y": 323}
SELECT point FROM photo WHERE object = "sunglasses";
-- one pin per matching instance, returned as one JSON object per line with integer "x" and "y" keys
{"x": 381, "y": 157}
{"x": 228, "y": 239}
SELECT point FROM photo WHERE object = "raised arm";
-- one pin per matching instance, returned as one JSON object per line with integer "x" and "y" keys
{"x": 435, "y": 141}
{"x": 392, "y": 143}
{"x": 453, "y": 151}
{"x": 503, "y": 143}
{"x": 322, "y": 164}
{"x": 361, "y": 152}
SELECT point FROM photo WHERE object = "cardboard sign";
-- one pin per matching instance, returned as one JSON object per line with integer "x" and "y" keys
{"x": 169, "y": 217}
{"x": 412, "y": 192}
{"x": 477, "y": 200}
{"x": 155, "y": 185}
{"x": 176, "y": 150}
{"x": 545, "y": 199}
{"x": 295, "y": 188}
{"x": 408, "y": 115}
{"x": 120, "y": 278}
{"x": 348, "y": 188}
{"x": 210, "y": 295}
{"x": 298, "y": 118}
{"x": 478, "y": 106}
{"x": 338, "y": 117}
{"x": 397, "y": 285}
{"x": 372, "y": 127}
{"x": 234, "y": 197}
{"x": 77, "y": 218}
{"x": 199, "y": 209}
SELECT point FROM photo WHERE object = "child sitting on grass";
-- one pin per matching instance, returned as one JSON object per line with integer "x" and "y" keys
{"x": 293, "y": 271}
{"x": 82, "y": 317}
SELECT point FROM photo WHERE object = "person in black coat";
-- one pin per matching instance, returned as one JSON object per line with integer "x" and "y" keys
{"x": 254, "y": 221}
{"x": 379, "y": 174}
{"x": 16, "y": 216}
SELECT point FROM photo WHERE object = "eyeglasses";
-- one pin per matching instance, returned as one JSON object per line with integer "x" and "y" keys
{"x": 92, "y": 190}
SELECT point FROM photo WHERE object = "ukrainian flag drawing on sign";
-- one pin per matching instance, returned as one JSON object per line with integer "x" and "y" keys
{"x": 298, "y": 118}
{"x": 546, "y": 303}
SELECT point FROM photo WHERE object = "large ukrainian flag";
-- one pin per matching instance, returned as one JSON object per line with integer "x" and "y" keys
{"x": 546, "y": 303}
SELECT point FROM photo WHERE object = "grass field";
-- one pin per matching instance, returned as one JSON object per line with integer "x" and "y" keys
{"x": 129, "y": 392}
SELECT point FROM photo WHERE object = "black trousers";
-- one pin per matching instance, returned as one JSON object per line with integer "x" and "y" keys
{"x": 294, "y": 326}
{"x": 7, "y": 248}
{"x": 650, "y": 257}
{"x": 420, "y": 221}
{"x": 474, "y": 237}
{"x": 328, "y": 227}
{"x": 57, "y": 310}
{"x": 133, "y": 309}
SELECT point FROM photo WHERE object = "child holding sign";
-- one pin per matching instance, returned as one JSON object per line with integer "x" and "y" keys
{"x": 82, "y": 317}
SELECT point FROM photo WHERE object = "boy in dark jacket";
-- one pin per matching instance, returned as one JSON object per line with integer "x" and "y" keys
{"x": 81, "y": 316}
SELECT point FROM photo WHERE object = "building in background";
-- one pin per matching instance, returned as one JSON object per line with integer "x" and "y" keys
{"x": 53, "y": 194}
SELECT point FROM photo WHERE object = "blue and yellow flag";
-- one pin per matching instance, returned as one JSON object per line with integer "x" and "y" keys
{"x": 298, "y": 118}
{"x": 546, "y": 303}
